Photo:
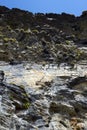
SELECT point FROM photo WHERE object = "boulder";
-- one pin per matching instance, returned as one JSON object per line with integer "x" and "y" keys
{"x": 62, "y": 108}
{"x": 76, "y": 81}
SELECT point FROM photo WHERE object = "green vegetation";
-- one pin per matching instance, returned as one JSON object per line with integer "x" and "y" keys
{"x": 35, "y": 31}
{"x": 8, "y": 27}
{"x": 26, "y": 31}
{"x": 26, "y": 105}
{"x": 67, "y": 42}
{"x": 1, "y": 36}
{"x": 6, "y": 39}
{"x": 11, "y": 97}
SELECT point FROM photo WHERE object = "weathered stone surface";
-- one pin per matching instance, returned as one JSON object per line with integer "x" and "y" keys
{"x": 55, "y": 94}
{"x": 12, "y": 99}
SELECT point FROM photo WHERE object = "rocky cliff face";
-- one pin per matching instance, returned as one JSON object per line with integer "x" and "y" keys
{"x": 42, "y": 37}
{"x": 56, "y": 99}
{"x": 43, "y": 92}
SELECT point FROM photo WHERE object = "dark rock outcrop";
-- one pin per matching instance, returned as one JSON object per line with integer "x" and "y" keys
{"x": 1, "y": 76}
{"x": 41, "y": 37}
{"x": 77, "y": 81}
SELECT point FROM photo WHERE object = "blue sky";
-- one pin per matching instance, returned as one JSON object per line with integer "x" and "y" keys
{"x": 56, "y": 6}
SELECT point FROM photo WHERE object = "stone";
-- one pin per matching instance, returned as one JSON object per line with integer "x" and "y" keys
{"x": 62, "y": 108}
{"x": 14, "y": 62}
{"x": 46, "y": 97}
{"x": 1, "y": 76}
{"x": 77, "y": 124}
{"x": 77, "y": 80}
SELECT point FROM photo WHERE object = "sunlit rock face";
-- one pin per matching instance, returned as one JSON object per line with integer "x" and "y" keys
{"x": 35, "y": 75}
{"x": 12, "y": 99}
{"x": 43, "y": 97}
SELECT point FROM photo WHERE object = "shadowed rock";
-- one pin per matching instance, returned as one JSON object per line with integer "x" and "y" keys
{"x": 1, "y": 76}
